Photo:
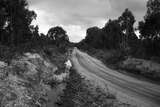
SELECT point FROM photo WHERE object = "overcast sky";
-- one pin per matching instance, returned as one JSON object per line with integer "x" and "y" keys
{"x": 75, "y": 16}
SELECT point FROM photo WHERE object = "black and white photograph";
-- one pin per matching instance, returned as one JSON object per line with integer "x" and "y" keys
{"x": 79, "y": 53}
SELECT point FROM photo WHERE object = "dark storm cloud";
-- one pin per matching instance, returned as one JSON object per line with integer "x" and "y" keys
{"x": 83, "y": 13}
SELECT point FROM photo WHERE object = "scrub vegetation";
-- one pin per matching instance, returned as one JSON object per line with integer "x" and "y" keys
{"x": 117, "y": 42}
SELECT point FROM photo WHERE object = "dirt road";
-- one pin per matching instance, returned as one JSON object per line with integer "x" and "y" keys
{"x": 128, "y": 89}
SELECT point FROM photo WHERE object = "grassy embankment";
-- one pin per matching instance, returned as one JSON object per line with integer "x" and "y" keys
{"x": 137, "y": 67}
{"x": 26, "y": 79}
{"x": 81, "y": 92}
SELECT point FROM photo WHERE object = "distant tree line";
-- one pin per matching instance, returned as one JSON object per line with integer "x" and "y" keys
{"x": 120, "y": 33}
{"x": 16, "y": 28}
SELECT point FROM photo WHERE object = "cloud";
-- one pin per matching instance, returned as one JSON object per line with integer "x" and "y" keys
{"x": 76, "y": 31}
{"x": 138, "y": 7}
{"x": 77, "y": 15}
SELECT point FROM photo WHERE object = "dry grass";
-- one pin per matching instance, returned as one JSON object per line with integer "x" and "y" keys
{"x": 80, "y": 92}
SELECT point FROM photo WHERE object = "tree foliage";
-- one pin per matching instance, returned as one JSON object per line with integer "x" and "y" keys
{"x": 16, "y": 28}
{"x": 107, "y": 37}
{"x": 150, "y": 28}
{"x": 57, "y": 33}
{"x": 94, "y": 37}
{"x": 126, "y": 21}
{"x": 114, "y": 34}
{"x": 129, "y": 39}
{"x": 153, "y": 6}
{"x": 16, "y": 20}
{"x": 58, "y": 36}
